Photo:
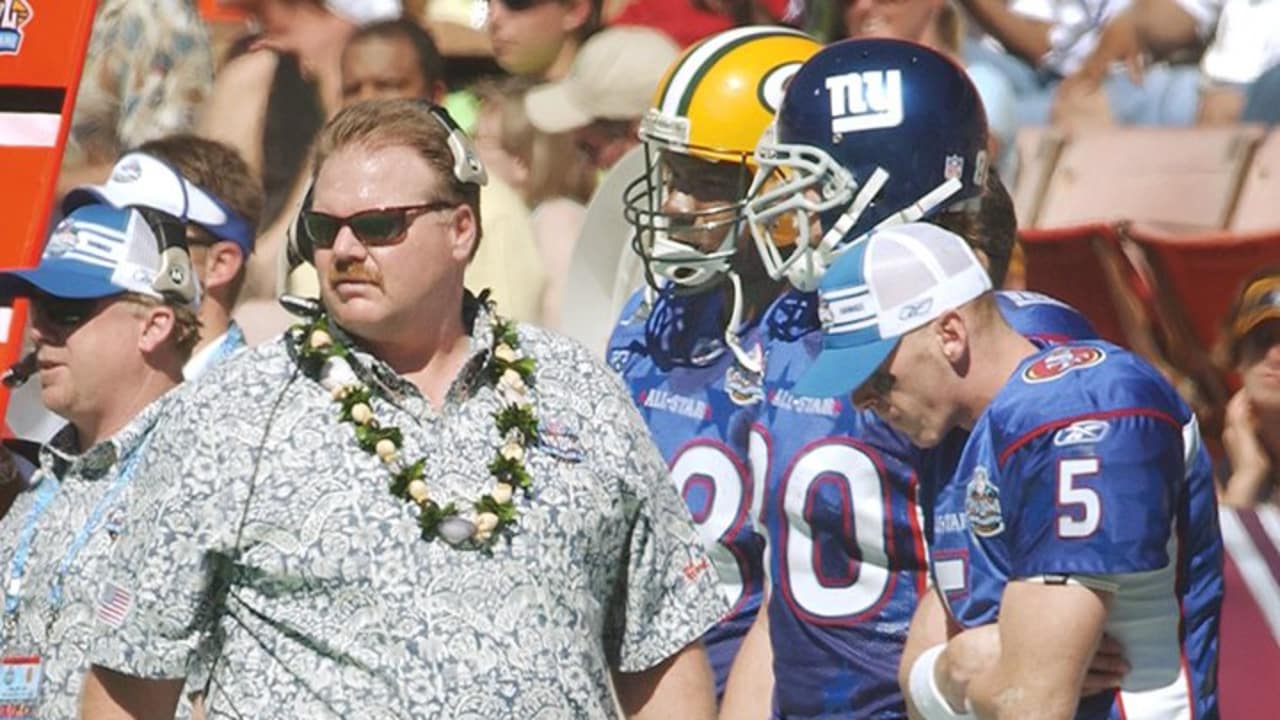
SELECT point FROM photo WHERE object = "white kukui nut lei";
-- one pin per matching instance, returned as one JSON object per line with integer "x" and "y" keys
{"x": 328, "y": 360}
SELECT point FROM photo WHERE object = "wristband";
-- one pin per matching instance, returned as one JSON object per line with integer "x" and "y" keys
{"x": 924, "y": 689}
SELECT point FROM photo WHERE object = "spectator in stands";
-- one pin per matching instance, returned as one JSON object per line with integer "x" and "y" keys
{"x": 397, "y": 59}
{"x": 1251, "y": 433}
{"x": 209, "y": 186}
{"x": 269, "y": 102}
{"x": 112, "y": 324}
{"x": 147, "y": 69}
{"x": 1240, "y": 67}
{"x": 540, "y": 38}
{"x": 1060, "y": 57}
{"x": 607, "y": 89}
{"x": 547, "y": 171}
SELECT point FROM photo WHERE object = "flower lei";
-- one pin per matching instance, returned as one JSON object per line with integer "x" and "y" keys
{"x": 507, "y": 370}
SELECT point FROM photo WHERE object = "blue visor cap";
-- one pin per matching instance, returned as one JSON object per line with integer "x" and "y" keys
{"x": 852, "y": 347}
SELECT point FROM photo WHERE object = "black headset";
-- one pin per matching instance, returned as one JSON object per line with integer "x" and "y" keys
{"x": 467, "y": 169}
{"x": 176, "y": 280}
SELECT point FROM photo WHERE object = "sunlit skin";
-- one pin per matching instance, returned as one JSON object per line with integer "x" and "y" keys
{"x": 1260, "y": 365}
{"x": 380, "y": 68}
{"x": 538, "y": 40}
{"x": 896, "y": 19}
{"x": 381, "y": 293}
{"x": 80, "y": 368}
{"x": 916, "y": 404}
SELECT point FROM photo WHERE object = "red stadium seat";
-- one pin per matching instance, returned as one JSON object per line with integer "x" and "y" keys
{"x": 1186, "y": 178}
{"x": 1200, "y": 274}
{"x": 1086, "y": 267}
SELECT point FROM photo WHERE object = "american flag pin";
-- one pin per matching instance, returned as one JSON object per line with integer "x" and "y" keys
{"x": 114, "y": 604}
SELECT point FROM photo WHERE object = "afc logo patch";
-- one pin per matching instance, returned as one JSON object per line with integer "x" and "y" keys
{"x": 1061, "y": 361}
{"x": 867, "y": 100}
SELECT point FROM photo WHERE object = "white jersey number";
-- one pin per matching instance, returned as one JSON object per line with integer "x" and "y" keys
{"x": 856, "y": 480}
{"x": 722, "y": 491}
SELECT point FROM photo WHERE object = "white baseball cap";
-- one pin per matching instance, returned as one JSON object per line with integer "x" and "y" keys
{"x": 881, "y": 288}
{"x": 139, "y": 179}
{"x": 613, "y": 77}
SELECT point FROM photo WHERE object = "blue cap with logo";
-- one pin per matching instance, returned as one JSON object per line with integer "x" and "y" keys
{"x": 96, "y": 251}
{"x": 881, "y": 288}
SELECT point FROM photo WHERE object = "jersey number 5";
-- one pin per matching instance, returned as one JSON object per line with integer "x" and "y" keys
{"x": 1079, "y": 508}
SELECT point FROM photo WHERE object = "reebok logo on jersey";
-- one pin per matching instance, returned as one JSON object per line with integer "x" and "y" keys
{"x": 1082, "y": 432}
{"x": 1061, "y": 361}
{"x": 867, "y": 100}
{"x": 668, "y": 401}
{"x": 785, "y": 400}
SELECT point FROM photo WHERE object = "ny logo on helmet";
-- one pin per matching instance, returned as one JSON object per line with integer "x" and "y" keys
{"x": 866, "y": 100}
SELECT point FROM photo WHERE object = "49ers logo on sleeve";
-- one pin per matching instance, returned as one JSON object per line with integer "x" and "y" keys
{"x": 1061, "y": 361}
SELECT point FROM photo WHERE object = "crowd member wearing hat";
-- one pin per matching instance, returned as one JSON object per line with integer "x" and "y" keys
{"x": 1251, "y": 346}
{"x": 1083, "y": 492}
{"x": 540, "y": 38}
{"x": 208, "y": 186}
{"x": 113, "y": 323}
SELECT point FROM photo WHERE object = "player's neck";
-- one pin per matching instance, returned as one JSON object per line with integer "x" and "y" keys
{"x": 1002, "y": 350}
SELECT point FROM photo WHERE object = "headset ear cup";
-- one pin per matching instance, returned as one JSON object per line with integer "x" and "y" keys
{"x": 298, "y": 245}
{"x": 176, "y": 278}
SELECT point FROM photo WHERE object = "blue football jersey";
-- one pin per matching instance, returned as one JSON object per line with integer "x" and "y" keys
{"x": 1041, "y": 317}
{"x": 1088, "y": 465}
{"x": 698, "y": 401}
{"x": 1038, "y": 317}
{"x": 846, "y": 552}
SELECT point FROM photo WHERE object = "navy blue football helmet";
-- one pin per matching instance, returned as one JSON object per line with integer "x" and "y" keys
{"x": 871, "y": 132}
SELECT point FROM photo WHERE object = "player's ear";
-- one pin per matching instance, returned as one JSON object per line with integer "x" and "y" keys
{"x": 952, "y": 335}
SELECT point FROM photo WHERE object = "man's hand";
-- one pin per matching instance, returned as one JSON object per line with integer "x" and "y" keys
{"x": 1107, "y": 669}
{"x": 1250, "y": 463}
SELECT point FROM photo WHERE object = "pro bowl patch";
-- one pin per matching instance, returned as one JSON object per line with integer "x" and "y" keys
{"x": 982, "y": 505}
{"x": 1061, "y": 361}
{"x": 560, "y": 442}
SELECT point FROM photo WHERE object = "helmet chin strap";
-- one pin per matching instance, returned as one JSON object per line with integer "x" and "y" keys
{"x": 751, "y": 362}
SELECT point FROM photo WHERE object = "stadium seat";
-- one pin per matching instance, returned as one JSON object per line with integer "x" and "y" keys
{"x": 1037, "y": 150}
{"x": 1180, "y": 178}
{"x": 1086, "y": 267}
{"x": 1258, "y": 207}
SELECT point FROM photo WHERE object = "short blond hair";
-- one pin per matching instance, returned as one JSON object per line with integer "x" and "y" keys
{"x": 377, "y": 124}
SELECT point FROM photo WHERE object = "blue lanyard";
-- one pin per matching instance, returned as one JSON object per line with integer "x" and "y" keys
{"x": 44, "y": 498}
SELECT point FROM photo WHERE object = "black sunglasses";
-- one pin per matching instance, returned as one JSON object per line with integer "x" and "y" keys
{"x": 65, "y": 313}
{"x": 519, "y": 5}
{"x": 379, "y": 226}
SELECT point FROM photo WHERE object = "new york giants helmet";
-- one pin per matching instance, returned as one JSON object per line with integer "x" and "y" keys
{"x": 871, "y": 132}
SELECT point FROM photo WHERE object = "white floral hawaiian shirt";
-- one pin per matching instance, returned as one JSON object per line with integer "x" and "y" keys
{"x": 61, "y": 630}
{"x": 270, "y": 551}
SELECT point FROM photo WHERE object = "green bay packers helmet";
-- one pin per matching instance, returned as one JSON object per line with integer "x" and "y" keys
{"x": 710, "y": 109}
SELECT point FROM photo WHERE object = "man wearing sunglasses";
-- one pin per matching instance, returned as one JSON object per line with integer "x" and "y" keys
{"x": 540, "y": 38}
{"x": 327, "y": 562}
{"x": 207, "y": 185}
{"x": 1251, "y": 436}
{"x": 109, "y": 347}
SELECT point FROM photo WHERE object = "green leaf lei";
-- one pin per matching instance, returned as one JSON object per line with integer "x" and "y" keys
{"x": 507, "y": 371}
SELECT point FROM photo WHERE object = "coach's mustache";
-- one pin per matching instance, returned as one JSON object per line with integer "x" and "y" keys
{"x": 354, "y": 272}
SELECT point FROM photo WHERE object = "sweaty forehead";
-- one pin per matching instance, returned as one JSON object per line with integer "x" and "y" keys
{"x": 358, "y": 177}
